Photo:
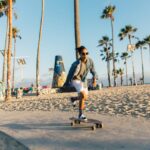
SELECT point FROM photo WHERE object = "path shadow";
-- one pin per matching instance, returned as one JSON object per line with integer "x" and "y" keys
{"x": 45, "y": 126}
{"x": 8, "y": 142}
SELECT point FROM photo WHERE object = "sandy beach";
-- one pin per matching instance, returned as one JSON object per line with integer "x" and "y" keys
{"x": 131, "y": 101}
{"x": 42, "y": 123}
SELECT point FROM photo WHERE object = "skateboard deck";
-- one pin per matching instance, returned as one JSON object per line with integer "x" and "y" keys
{"x": 93, "y": 122}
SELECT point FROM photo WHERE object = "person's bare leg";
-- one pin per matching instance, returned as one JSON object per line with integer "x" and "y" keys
{"x": 82, "y": 98}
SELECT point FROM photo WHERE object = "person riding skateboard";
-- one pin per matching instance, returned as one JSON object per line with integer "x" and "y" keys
{"x": 77, "y": 78}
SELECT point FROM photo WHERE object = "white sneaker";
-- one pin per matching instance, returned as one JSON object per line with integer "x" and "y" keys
{"x": 83, "y": 117}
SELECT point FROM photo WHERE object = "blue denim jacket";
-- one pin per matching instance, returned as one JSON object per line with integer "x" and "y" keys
{"x": 75, "y": 68}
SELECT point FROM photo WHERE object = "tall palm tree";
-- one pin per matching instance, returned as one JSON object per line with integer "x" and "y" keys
{"x": 8, "y": 95}
{"x": 140, "y": 45}
{"x": 77, "y": 26}
{"x": 124, "y": 56}
{"x": 5, "y": 52}
{"x": 147, "y": 41}
{"x": 108, "y": 14}
{"x": 4, "y": 11}
{"x": 120, "y": 72}
{"x": 105, "y": 42}
{"x": 38, "y": 51}
{"x": 15, "y": 34}
{"x": 128, "y": 31}
{"x": 6, "y": 44}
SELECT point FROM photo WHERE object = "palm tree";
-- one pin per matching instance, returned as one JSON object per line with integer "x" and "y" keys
{"x": 77, "y": 26}
{"x": 5, "y": 49}
{"x": 38, "y": 51}
{"x": 108, "y": 14}
{"x": 124, "y": 56}
{"x": 3, "y": 11}
{"x": 15, "y": 32}
{"x": 147, "y": 41}
{"x": 8, "y": 95}
{"x": 105, "y": 42}
{"x": 120, "y": 72}
{"x": 5, "y": 53}
{"x": 128, "y": 31}
{"x": 140, "y": 45}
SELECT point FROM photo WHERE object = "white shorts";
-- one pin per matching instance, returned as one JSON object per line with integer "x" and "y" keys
{"x": 79, "y": 86}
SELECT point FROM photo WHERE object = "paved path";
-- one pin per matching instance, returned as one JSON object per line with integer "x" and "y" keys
{"x": 51, "y": 130}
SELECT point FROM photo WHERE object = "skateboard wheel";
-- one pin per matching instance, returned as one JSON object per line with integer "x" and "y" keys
{"x": 72, "y": 123}
{"x": 98, "y": 125}
{"x": 77, "y": 122}
{"x": 93, "y": 128}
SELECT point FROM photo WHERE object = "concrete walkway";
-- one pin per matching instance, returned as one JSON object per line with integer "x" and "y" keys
{"x": 52, "y": 131}
{"x": 9, "y": 143}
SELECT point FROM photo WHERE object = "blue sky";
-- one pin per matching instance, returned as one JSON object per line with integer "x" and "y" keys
{"x": 58, "y": 32}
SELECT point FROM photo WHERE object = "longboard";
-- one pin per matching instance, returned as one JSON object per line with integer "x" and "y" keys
{"x": 93, "y": 122}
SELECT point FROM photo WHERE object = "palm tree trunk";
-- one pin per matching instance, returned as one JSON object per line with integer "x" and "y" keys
{"x": 126, "y": 72}
{"x": 149, "y": 52}
{"x": 132, "y": 63}
{"x": 108, "y": 69}
{"x": 14, "y": 60}
{"x": 5, "y": 54}
{"x": 38, "y": 51}
{"x": 113, "y": 51}
{"x": 142, "y": 65}
{"x": 133, "y": 67}
{"x": 77, "y": 26}
{"x": 121, "y": 79}
{"x": 8, "y": 95}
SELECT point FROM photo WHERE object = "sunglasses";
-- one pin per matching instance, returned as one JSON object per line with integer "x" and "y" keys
{"x": 85, "y": 53}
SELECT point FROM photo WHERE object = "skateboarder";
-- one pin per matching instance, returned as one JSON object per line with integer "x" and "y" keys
{"x": 77, "y": 78}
